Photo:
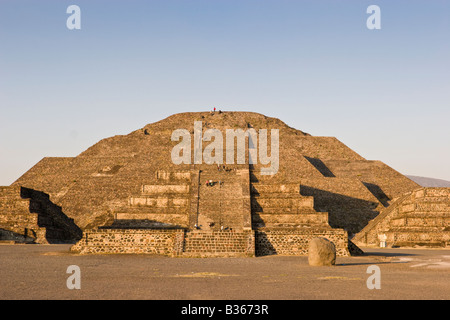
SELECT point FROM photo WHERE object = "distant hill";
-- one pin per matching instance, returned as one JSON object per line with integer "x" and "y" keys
{"x": 430, "y": 182}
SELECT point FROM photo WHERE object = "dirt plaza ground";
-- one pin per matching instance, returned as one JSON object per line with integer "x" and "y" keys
{"x": 40, "y": 272}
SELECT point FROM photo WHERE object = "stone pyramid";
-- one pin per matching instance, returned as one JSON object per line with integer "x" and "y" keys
{"x": 130, "y": 181}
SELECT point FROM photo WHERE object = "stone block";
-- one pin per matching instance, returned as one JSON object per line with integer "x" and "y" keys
{"x": 321, "y": 252}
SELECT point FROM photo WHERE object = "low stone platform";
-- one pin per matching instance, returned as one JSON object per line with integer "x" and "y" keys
{"x": 180, "y": 242}
{"x": 290, "y": 241}
{"x": 148, "y": 241}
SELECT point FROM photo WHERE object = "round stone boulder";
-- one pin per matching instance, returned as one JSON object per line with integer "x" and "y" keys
{"x": 321, "y": 252}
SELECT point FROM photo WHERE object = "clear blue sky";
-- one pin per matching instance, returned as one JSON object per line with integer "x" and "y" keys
{"x": 313, "y": 64}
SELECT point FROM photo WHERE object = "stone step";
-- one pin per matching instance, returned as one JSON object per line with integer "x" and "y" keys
{"x": 220, "y": 185}
{"x": 429, "y": 231}
{"x": 161, "y": 202}
{"x": 419, "y": 223}
{"x": 282, "y": 202}
{"x": 230, "y": 171}
{"x": 419, "y": 237}
{"x": 224, "y": 183}
{"x": 171, "y": 176}
{"x": 201, "y": 239}
{"x": 422, "y": 243}
{"x": 269, "y": 189}
{"x": 218, "y": 243}
{"x": 425, "y": 206}
{"x": 165, "y": 189}
{"x": 278, "y": 196}
{"x": 211, "y": 167}
{"x": 151, "y": 210}
{"x": 318, "y": 218}
{"x": 217, "y": 192}
{"x": 286, "y": 210}
{"x": 423, "y": 215}
{"x": 216, "y": 195}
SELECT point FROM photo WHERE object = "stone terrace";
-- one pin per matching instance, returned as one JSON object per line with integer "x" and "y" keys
{"x": 418, "y": 218}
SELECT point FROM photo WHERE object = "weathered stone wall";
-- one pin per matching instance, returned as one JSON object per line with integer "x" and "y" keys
{"x": 220, "y": 243}
{"x": 176, "y": 242}
{"x": 287, "y": 241}
{"x": 149, "y": 241}
{"x": 171, "y": 242}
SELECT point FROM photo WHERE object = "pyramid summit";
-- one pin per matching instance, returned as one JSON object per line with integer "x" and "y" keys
{"x": 129, "y": 188}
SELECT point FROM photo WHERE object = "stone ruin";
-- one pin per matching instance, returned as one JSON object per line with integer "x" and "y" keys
{"x": 418, "y": 218}
{"x": 125, "y": 195}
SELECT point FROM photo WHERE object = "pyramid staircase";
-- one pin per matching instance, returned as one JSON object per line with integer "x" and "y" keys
{"x": 163, "y": 204}
{"x": 277, "y": 204}
{"x": 417, "y": 218}
{"x": 221, "y": 216}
